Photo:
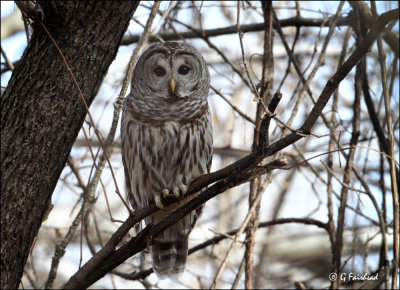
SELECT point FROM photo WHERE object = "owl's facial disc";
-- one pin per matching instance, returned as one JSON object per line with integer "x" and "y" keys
{"x": 156, "y": 74}
{"x": 187, "y": 73}
{"x": 172, "y": 76}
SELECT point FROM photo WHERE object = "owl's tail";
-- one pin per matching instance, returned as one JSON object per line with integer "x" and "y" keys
{"x": 169, "y": 258}
{"x": 170, "y": 248}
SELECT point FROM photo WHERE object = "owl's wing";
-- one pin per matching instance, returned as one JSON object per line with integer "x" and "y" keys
{"x": 209, "y": 161}
{"x": 209, "y": 140}
{"x": 128, "y": 183}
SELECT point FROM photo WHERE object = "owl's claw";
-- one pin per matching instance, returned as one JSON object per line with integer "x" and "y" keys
{"x": 165, "y": 193}
{"x": 157, "y": 200}
{"x": 183, "y": 189}
{"x": 177, "y": 192}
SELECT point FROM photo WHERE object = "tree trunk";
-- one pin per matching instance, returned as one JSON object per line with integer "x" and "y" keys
{"x": 42, "y": 113}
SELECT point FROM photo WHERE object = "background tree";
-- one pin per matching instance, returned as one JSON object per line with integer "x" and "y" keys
{"x": 305, "y": 172}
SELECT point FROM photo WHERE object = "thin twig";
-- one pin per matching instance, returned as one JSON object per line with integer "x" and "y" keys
{"x": 240, "y": 34}
{"x": 236, "y": 109}
{"x": 8, "y": 62}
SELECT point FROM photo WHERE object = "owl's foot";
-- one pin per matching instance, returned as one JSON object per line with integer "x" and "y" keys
{"x": 177, "y": 192}
{"x": 157, "y": 200}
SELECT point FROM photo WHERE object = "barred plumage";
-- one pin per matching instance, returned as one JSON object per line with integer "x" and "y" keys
{"x": 166, "y": 136}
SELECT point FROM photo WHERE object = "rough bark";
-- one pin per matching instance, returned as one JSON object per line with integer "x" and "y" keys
{"x": 42, "y": 113}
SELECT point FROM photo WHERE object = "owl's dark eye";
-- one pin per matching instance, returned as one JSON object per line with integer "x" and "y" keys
{"x": 159, "y": 71}
{"x": 183, "y": 70}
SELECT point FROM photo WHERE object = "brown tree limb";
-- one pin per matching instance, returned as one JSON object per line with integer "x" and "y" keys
{"x": 297, "y": 21}
{"x": 260, "y": 139}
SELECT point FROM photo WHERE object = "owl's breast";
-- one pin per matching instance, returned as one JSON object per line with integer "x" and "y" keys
{"x": 160, "y": 155}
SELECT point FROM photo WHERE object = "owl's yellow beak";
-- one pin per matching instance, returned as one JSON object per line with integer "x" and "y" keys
{"x": 172, "y": 83}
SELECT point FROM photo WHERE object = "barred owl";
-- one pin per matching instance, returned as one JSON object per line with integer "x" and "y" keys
{"x": 166, "y": 138}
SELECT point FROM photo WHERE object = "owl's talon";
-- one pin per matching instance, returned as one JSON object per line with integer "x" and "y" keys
{"x": 157, "y": 200}
{"x": 165, "y": 193}
{"x": 176, "y": 192}
{"x": 183, "y": 189}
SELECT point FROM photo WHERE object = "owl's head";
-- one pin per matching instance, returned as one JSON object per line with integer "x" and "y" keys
{"x": 171, "y": 72}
